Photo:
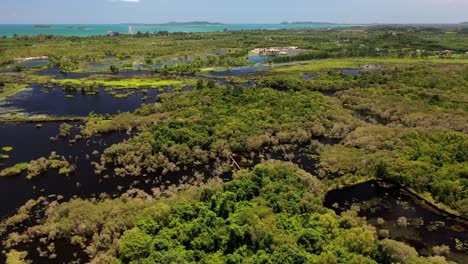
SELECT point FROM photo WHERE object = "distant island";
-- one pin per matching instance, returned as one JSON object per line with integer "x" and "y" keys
{"x": 41, "y": 26}
{"x": 192, "y": 23}
{"x": 306, "y": 23}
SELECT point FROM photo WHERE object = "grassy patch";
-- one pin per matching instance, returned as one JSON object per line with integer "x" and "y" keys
{"x": 15, "y": 170}
{"x": 330, "y": 64}
{"x": 121, "y": 95}
{"x": 7, "y": 149}
{"x": 10, "y": 89}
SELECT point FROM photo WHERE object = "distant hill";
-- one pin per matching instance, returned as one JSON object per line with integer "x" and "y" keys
{"x": 307, "y": 23}
{"x": 192, "y": 23}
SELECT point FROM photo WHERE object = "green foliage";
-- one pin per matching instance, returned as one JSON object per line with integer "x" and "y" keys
{"x": 113, "y": 69}
{"x": 16, "y": 257}
{"x": 15, "y": 170}
{"x": 208, "y": 123}
{"x": 274, "y": 213}
{"x": 41, "y": 165}
{"x": 427, "y": 161}
{"x": 10, "y": 89}
{"x": 135, "y": 244}
{"x": 65, "y": 130}
{"x": 271, "y": 214}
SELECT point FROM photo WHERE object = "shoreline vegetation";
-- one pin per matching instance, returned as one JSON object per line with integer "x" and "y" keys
{"x": 223, "y": 157}
{"x": 429, "y": 201}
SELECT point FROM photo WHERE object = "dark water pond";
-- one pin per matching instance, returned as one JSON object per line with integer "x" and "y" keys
{"x": 301, "y": 158}
{"x": 29, "y": 142}
{"x": 239, "y": 71}
{"x": 307, "y": 76}
{"x": 354, "y": 72}
{"x": 259, "y": 58}
{"x": 426, "y": 228}
{"x": 57, "y": 74}
{"x": 33, "y": 63}
{"x": 39, "y": 100}
{"x": 64, "y": 251}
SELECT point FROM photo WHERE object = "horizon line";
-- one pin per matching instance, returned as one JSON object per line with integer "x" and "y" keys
{"x": 246, "y": 23}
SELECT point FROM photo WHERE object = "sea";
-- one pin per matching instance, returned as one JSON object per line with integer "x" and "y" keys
{"x": 9, "y": 30}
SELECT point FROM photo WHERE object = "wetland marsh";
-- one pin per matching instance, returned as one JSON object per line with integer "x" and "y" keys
{"x": 222, "y": 154}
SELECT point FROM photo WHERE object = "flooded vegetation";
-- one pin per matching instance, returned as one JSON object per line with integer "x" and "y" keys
{"x": 239, "y": 71}
{"x": 399, "y": 215}
{"x": 25, "y": 137}
{"x": 31, "y": 62}
{"x": 30, "y": 101}
{"x": 259, "y": 58}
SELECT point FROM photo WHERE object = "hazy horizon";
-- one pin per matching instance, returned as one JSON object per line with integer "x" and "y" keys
{"x": 245, "y": 23}
{"x": 229, "y": 12}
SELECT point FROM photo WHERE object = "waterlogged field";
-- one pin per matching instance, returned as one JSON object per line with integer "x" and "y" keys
{"x": 192, "y": 147}
{"x": 124, "y": 83}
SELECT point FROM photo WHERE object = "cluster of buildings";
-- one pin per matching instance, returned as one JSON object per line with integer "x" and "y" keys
{"x": 274, "y": 51}
{"x": 131, "y": 32}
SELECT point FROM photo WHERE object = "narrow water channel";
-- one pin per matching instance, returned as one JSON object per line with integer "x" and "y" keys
{"x": 405, "y": 216}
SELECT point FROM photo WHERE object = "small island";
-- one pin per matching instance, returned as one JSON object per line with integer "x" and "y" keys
{"x": 42, "y": 26}
{"x": 307, "y": 23}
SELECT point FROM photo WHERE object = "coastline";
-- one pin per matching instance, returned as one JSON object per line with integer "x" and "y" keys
{"x": 9, "y": 30}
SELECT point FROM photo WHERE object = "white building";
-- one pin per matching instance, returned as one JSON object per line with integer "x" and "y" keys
{"x": 131, "y": 30}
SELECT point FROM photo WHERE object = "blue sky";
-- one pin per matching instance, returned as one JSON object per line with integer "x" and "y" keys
{"x": 232, "y": 11}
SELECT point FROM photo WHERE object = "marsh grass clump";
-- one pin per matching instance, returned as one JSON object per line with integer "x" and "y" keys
{"x": 41, "y": 165}
{"x": 7, "y": 149}
{"x": 15, "y": 170}
{"x": 402, "y": 221}
{"x": 36, "y": 167}
{"x": 10, "y": 172}
{"x": 65, "y": 130}
{"x": 16, "y": 257}
{"x": 384, "y": 233}
{"x": 442, "y": 250}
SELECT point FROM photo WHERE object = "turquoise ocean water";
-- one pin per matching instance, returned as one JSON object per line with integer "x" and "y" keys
{"x": 92, "y": 30}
